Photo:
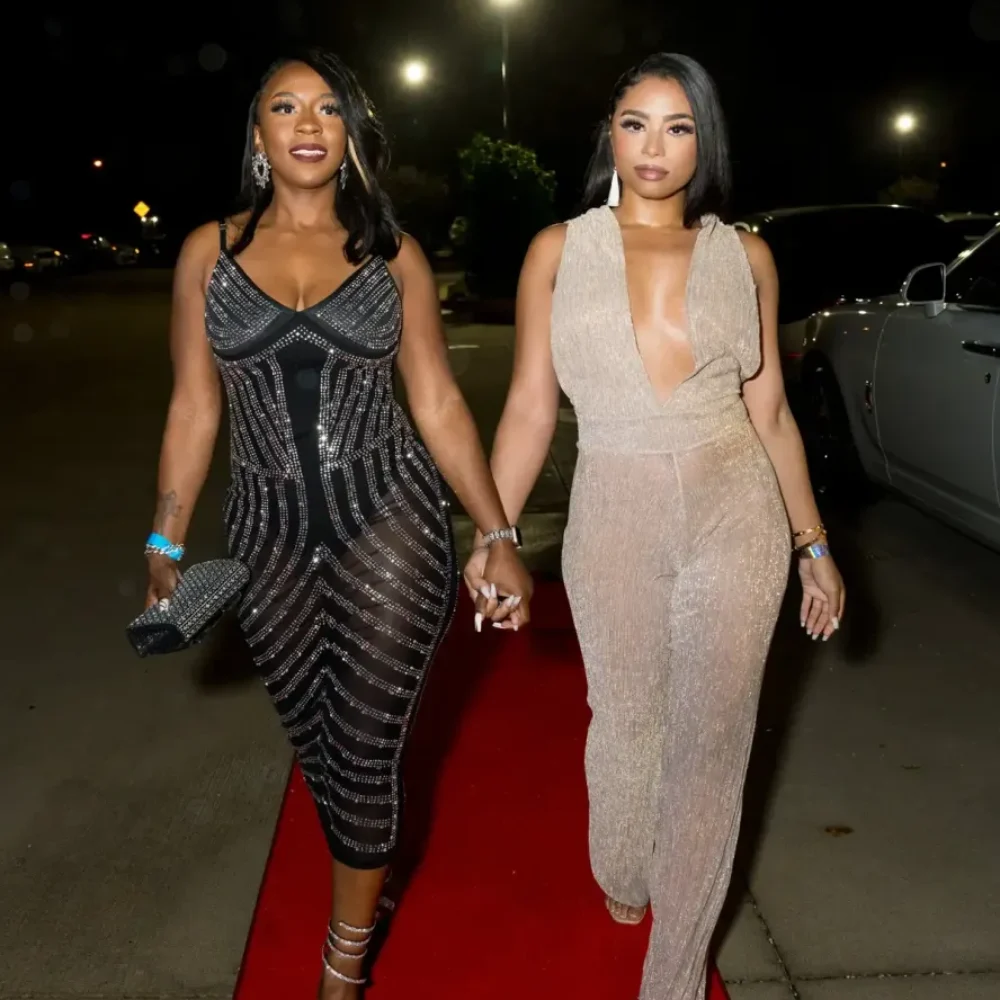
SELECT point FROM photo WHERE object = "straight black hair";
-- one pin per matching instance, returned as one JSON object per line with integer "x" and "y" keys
{"x": 711, "y": 186}
{"x": 363, "y": 208}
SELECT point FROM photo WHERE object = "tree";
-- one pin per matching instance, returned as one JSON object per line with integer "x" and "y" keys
{"x": 508, "y": 197}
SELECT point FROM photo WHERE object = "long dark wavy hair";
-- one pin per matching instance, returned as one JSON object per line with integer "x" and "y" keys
{"x": 711, "y": 185}
{"x": 363, "y": 208}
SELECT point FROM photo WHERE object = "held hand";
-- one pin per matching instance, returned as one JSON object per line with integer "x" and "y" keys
{"x": 510, "y": 588}
{"x": 822, "y": 597}
{"x": 163, "y": 578}
{"x": 475, "y": 581}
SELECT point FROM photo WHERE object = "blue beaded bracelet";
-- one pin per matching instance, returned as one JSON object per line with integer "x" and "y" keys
{"x": 158, "y": 545}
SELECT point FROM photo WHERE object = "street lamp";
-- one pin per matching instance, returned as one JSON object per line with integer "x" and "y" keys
{"x": 98, "y": 164}
{"x": 503, "y": 6}
{"x": 415, "y": 72}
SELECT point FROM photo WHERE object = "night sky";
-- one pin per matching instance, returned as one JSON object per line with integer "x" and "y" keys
{"x": 159, "y": 92}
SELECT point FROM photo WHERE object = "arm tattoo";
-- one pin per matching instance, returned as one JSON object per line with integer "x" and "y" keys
{"x": 166, "y": 507}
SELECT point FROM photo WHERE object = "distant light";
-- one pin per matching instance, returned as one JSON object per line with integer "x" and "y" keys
{"x": 905, "y": 123}
{"x": 505, "y": 3}
{"x": 98, "y": 164}
{"x": 944, "y": 163}
{"x": 86, "y": 236}
{"x": 154, "y": 219}
{"x": 415, "y": 72}
{"x": 57, "y": 253}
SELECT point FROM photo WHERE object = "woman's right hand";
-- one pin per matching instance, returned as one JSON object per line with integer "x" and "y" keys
{"x": 163, "y": 579}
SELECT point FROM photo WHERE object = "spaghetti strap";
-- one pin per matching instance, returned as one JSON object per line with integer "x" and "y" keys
{"x": 223, "y": 236}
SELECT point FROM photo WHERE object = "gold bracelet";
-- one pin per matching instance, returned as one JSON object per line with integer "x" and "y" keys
{"x": 819, "y": 530}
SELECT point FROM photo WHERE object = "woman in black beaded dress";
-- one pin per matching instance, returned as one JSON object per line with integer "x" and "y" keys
{"x": 303, "y": 306}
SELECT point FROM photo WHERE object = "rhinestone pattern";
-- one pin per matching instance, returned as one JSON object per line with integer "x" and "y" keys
{"x": 339, "y": 513}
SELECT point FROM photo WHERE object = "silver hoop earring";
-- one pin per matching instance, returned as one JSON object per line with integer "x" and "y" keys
{"x": 343, "y": 175}
{"x": 615, "y": 194}
{"x": 260, "y": 167}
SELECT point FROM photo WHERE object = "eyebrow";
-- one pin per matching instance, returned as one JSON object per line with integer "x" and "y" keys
{"x": 645, "y": 117}
{"x": 288, "y": 93}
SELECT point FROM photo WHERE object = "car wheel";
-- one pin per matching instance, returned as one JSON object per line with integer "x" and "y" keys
{"x": 834, "y": 462}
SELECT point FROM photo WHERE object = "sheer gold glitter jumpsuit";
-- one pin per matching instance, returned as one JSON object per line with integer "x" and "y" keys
{"x": 675, "y": 560}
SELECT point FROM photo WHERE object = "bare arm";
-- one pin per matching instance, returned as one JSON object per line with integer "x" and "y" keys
{"x": 823, "y": 588}
{"x": 436, "y": 402}
{"x": 529, "y": 416}
{"x": 195, "y": 404}
{"x": 766, "y": 401}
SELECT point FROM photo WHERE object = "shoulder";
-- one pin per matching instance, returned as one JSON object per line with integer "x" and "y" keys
{"x": 410, "y": 267}
{"x": 546, "y": 249}
{"x": 199, "y": 252}
{"x": 759, "y": 257}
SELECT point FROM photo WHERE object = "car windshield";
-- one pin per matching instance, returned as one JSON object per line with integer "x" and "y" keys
{"x": 825, "y": 258}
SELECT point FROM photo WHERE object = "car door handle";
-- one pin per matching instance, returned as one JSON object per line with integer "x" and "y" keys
{"x": 978, "y": 347}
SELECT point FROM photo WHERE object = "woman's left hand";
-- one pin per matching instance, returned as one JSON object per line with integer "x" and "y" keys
{"x": 822, "y": 597}
{"x": 510, "y": 589}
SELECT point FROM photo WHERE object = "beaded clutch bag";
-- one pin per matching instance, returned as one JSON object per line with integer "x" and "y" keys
{"x": 204, "y": 594}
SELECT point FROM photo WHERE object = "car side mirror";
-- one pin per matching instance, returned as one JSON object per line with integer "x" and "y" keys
{"x": 925, "y": 286}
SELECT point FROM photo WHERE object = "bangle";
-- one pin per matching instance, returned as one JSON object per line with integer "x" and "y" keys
{"x": 818, "y": 530}
{"x": 160, "y": 546}
{"x": 817, "y": 550}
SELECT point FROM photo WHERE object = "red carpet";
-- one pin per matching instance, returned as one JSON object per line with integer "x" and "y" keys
{"x": 502, "y": 902}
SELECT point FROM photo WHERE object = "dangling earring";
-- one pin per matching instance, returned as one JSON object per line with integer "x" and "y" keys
{"x": 343, "y": 174}
{"x": 260, "y": 167}
{"x": 615, "y": 194}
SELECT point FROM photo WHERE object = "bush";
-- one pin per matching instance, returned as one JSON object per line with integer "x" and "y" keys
{"x": 508, "y": 197}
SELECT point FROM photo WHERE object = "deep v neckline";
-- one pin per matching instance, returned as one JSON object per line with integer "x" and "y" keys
{"x": 316, "y": 305}
{"x": 626, "y": 298}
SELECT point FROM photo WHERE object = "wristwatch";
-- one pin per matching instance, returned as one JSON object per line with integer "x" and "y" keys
{"x": 511, "y": 534}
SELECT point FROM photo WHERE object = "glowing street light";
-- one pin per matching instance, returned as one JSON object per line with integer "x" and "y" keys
{"x": 905, "y": 123}
{"x": 98, "y": 164}
{"x": 415, "y": 72}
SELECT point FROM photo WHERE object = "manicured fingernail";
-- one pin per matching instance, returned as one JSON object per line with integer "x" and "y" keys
{"x": 826, "y": 638}
{"x": 479, "y": 622}
{"x": 493, "y": 590}
{"x": 485, "y": 591}
{"x": 517, "y": 601}
{"x": 164, "y": 604}
{"x": 511, "y": 601}
{"x": 815, "y": 636}
{"x": 836, "y": 623}
{"x": 498, "y": 624}
{"x": 802, "y": 623}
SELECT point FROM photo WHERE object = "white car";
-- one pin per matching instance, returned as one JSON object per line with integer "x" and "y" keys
{"x": 827, "y": 255}
{"x": 904, "y": 390}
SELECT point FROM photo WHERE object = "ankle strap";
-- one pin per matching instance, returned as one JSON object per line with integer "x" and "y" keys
{"x": 336, "y": 943}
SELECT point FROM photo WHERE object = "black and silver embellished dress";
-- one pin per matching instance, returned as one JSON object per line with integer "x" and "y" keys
{"x": 339, "y": 512}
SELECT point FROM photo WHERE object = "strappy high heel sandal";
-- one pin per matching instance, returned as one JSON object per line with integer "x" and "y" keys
{"x": 351, "y": 949}
{"x": 386, "y": 904}
{"x": 622, "y": 913}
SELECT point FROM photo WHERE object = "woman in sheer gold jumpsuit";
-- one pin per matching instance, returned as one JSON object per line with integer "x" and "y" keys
{"x": 690, "y": 494}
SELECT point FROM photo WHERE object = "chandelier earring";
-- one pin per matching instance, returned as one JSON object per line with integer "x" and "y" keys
{"x": 260, "y": 167}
